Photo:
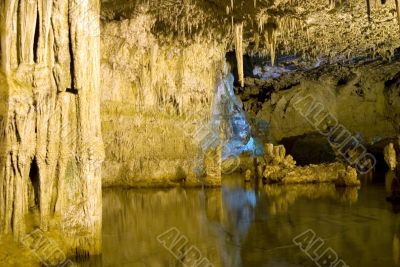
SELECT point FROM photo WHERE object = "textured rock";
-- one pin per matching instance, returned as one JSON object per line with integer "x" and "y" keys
{"x": 390, "y": 156}
{"x": 337, "y": 31}
{"x": 51, "y": 144}
{"x": 336, "y": 173}
{"x": 156, "y": 102}
{"x": 344, "y": 92}
{"x": 212, "y": 166}
{"x": 284, "y": 170}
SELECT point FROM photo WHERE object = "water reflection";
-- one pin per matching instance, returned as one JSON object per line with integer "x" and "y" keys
{"x": 281, "y": 197}
{"x": 244, "y": 225}
{"x": 392, "y": 185}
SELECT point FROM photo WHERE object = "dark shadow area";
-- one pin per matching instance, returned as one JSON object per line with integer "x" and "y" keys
{"x": 34, "y": 178}
{"x": 309, "y": 149}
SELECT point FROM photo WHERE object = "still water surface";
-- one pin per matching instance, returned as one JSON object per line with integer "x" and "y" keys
{"x": 243, "y": 225}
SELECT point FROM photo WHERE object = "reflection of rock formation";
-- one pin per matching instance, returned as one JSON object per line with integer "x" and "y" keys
{"x": 281, "y": 197}
{"x": 392, "y": 184}
{"x": 238, "y": 215}
{"x": 216, "y": 221}
{"x": 134, "y": 218}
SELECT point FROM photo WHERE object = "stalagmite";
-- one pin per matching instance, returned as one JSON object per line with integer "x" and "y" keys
{"x": 239, "y": 51}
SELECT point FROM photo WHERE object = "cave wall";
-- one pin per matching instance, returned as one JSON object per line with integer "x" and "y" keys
{"x": 51, "y": 143}
{"x": 392, "y": 96}
{"x": 357, "y": 96}
{"x": 157, "y": 93}
{"x": 160, "y": 61}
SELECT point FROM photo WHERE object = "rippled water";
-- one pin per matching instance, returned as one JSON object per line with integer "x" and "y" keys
{"x": 242, "y": 225}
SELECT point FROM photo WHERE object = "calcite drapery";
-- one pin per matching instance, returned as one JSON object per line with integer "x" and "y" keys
{"x": 51, "y": 145}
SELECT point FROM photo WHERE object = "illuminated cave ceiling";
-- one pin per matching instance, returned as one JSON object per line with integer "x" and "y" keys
{"x": 330, "y": 29}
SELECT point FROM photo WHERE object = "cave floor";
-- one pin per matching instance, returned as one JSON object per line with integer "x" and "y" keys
{"x": 243, "y": 225}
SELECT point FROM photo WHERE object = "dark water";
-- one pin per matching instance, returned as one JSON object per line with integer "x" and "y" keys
{"x": 243, "y": 225}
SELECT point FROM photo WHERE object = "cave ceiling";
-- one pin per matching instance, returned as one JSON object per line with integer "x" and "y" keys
{"x": 314, "y": 29}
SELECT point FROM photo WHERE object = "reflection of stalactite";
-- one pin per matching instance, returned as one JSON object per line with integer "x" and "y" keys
{"x": 239, "y": 51}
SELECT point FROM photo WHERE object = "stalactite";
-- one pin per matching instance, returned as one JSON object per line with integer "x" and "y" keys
{"x": 369, "y": 9}
{"x": 270, "y": 36}
{"x": 239, "y": 51}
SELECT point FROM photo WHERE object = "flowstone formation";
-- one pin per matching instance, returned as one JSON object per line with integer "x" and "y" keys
{"x": 51, "y": 144}
{"x": 157, "y": 97}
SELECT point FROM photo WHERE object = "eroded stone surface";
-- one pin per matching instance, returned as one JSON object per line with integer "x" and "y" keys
{"x": 51, "y": 144}
{"x": 281, "y": 168}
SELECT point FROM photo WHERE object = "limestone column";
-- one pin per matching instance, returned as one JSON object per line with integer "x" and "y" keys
{"x": 50, "y": 142}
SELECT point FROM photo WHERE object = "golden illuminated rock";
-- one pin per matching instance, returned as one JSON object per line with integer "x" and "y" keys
{"x": 390, "y": 156}
{"x": 284, "y": 170}
{"x": 247, "y": 176}
{"x": 52, "y": 147}
{"x": 212, "y": 166}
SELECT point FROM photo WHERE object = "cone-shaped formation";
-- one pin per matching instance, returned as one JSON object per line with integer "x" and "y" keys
{"x": 239, "y": 51}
